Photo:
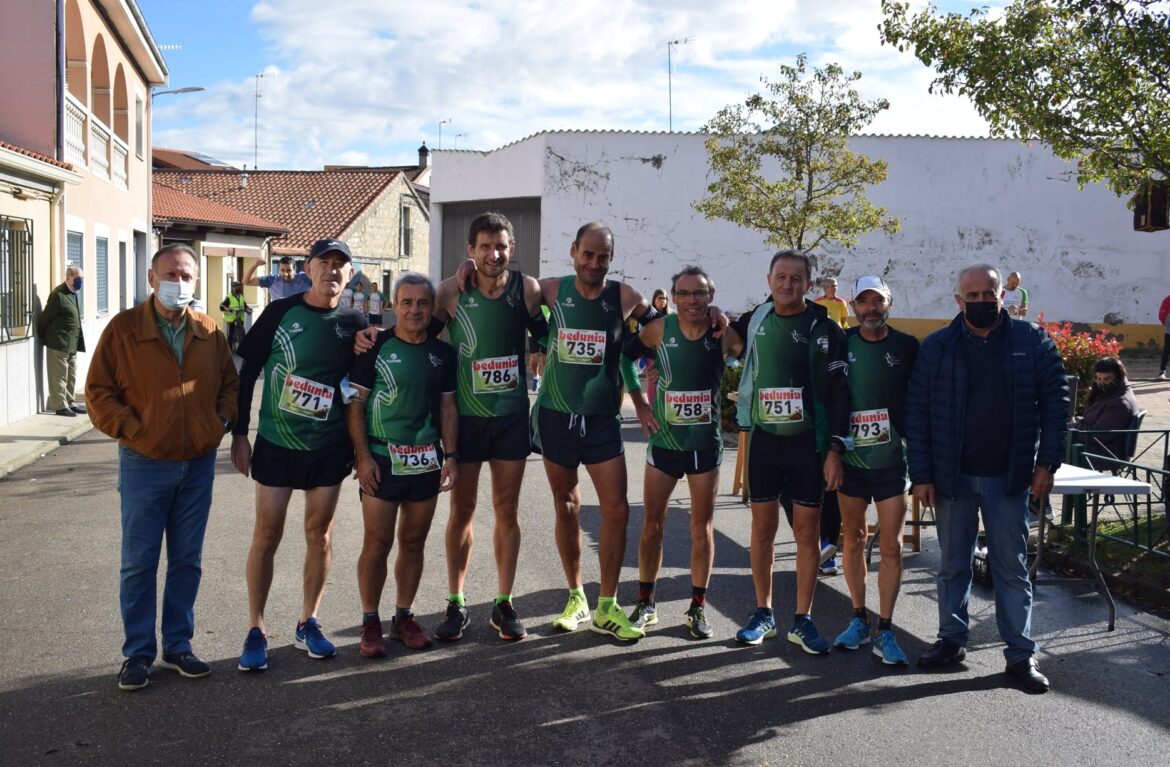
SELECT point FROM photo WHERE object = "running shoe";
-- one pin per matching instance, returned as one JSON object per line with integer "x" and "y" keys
{"x": 255, "y": 654}
{"x": 644, "y": 614}
{"x": 451, "y": 629}
{"x": 828, "y": 551}
{"x": 186, "y": 664}
{"x": 886, "y": 648}
{"x": 373, "y": 644}
{"x": 409, "y": 633}
{"x": 311, "y": 640}
{"x": 576, "y": 611}
{"x": 804, "y": 633}
{"x": 761, "y": 626}
{"x": 697, "y": 622}
{"x": 829, "y": 567}
{"x": 506, "y": 623}
{"x": 615, "y": 623}
{"x": 855, "y": 635}
{"x": 135, "y": 673}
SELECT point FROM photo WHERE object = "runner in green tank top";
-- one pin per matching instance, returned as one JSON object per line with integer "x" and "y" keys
{"x": 488, "y": 326}
{"x": 304, "y": 345}
{"x": 880, "y": 362}
{"x": 685, "y": 438}
{"x": 404, "y": 401}
{"x": 794, "y": 396}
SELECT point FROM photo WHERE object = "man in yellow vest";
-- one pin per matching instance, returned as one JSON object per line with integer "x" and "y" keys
{"x": 234, "y": 307}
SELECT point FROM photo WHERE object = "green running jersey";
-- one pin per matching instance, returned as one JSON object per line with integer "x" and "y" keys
{"x": 686, "y": 403}
{"x": 581, "y": 371}
{"x": 305, "y": 351}
{"x": 782, "y": 401}
{"x": 490, "y": 337}
{"x": 405, "y": 382}
{"x": 879, "y": 376}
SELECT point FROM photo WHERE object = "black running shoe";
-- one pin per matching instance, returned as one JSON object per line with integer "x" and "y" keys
{"x": 505, "y": 621}
{"x": 451, "y": 629}
{"x": 697, "y": 622}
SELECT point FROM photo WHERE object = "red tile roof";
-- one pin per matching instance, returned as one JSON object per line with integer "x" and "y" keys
{"x": 35, "y": 155}
{"x": 176, "y": 159}
{"x": 310, "y": 204}
{"x": 176, "y": 206}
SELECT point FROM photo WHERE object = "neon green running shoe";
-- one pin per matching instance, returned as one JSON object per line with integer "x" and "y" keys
{"x": 615, "y": 623}
{"x": 576, "y": 611}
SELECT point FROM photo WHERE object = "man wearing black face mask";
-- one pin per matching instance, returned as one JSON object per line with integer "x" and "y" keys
{"x": 985, "y": 383}
{"x": 59, "y": 327}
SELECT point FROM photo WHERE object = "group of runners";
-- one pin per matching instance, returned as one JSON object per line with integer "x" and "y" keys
{"x": 424, "y": 415}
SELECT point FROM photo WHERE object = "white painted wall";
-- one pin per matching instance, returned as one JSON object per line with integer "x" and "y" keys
{"x": 960, "y": 201}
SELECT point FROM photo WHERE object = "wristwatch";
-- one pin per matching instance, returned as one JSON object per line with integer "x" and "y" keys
{"x": 1052, "y": 467}
{"x": 453, "y": 455}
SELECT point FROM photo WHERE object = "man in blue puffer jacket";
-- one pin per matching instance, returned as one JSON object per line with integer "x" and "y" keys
{"x": 985, "y": 425}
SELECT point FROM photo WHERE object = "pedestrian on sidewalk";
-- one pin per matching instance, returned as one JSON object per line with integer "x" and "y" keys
{"x": 163, "y": 384}
{"x": 59, "y": 328}
{"x": 1164, "y": 318}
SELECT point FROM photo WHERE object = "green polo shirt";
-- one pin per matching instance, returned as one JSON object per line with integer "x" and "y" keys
{"x": 172, "y": 335}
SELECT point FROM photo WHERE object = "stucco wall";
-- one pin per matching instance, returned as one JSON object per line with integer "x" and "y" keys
{"x": 20, "y": 358}
{"x": 960, "y": 201}
{"x": 28, "y": 89}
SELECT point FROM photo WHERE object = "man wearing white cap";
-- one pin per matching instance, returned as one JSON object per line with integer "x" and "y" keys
{"x": 880, "y": 362}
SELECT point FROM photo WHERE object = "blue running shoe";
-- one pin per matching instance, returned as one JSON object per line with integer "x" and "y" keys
{"x": 886, "y": 648}
{"x": 761, "y": 626}
{"x": 854, "y": 636}
{"x": 804, "y": 633}
{"x": 255, "y": 654}
{"x": 310, "y": 639}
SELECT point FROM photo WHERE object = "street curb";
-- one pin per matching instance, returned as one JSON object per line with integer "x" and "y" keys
{"x": 35, "y": 451}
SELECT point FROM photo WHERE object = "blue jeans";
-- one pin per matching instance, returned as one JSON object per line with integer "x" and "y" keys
{"x": 171, "y": 498}
{"x": 1005, "y": 521}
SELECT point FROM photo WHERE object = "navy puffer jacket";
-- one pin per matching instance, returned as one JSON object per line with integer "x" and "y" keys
{"x": 936, "y": 404}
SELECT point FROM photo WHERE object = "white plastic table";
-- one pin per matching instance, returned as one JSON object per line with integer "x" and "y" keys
{"x": 1075, "y": 480}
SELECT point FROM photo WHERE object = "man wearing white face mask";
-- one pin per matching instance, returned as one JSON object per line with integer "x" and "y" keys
{"x": 163, "y": 384}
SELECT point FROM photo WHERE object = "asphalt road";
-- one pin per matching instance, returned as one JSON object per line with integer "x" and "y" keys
{"x": 552, "y": 698}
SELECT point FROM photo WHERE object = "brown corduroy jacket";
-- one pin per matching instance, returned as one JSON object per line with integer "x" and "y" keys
{"x": 138, "y": 394}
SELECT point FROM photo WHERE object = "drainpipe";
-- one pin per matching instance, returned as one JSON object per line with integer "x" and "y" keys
{"x": 62, "y": 70}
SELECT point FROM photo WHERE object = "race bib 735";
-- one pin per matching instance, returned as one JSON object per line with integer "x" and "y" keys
{"x": 581, "y": 347}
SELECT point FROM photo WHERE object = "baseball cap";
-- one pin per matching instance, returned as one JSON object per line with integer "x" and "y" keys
{"x": 329, "y": 245}
{"x": 876, "y": 284}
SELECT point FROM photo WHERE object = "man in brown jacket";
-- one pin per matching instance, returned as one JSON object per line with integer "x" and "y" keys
{"x": 163, "y": 384}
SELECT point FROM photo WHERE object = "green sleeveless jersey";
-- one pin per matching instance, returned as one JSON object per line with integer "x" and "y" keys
{"x": 686, "y": 403}
{"x": 490, "y": 338}
{"x": 879, "y": 376}
{"x": 405, "y": 382}
{"x": 782, "y": 401}
{"x": 305, "y": 351}
{"x": 581, "y": 371}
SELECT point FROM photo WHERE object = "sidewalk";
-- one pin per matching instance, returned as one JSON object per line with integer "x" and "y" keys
{"x": 27, "y": 440}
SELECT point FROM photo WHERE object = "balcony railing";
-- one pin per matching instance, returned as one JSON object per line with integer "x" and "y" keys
{"x": 74, "y": 132}
{"x": 119, "y": 166}
{"x": 99, "y": 149}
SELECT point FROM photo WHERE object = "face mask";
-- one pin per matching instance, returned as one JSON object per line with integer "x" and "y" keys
{"x": 1108, "y": 388}
{"x": 175, "y": 295}
{"x": 982, "y": 314}
{"x": 76, "y": 284}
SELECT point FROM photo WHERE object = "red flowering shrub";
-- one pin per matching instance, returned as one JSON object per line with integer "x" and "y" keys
{"x": 1080, "y": 351}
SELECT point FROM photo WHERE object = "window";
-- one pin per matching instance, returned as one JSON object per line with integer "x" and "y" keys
{"x": 103, "y": 275}
{"x": 139, "y": 122}
{"x": 75, "y": 256}
{"x": 16, "y": 266}
{"x": 404, "y": 231}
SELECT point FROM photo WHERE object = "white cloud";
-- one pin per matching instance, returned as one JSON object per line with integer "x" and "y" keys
{"x": 370, "y": 79}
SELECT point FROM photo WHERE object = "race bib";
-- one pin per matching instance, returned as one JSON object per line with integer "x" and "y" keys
{"x": 495, "y": 374}
{"x": 782, "y": 404}
{"x": 407, "y": 460}
{"x": 581, "y": 347}
{"x": 687, "y": 408}
{"x": 306, "y": 398}
{"x": 870, "y": 427}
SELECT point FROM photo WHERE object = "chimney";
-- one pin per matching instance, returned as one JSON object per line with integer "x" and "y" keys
{"x": 424, "y": 156}
{"x": 244, "y": 180}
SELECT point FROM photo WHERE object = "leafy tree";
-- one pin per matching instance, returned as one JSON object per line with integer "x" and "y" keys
{"x": 1090, "y": 78}
{"x": 782, "y": 166}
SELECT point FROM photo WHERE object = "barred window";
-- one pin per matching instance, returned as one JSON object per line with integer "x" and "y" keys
{"x": 16, "y": 268}
{"x": 75, "y": 256}
{"x": 404, "y": 231}
{"x": 103, "y": 275}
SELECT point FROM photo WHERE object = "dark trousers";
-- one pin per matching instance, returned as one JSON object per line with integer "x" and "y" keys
{"x": 1165, "y": 352}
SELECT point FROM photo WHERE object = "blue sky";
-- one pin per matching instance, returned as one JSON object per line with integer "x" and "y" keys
{"x": 366, "y": 81}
